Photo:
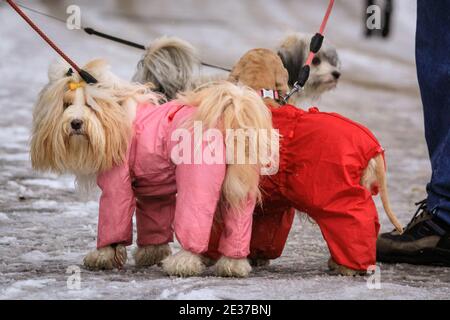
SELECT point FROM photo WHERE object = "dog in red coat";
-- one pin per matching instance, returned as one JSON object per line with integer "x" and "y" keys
{"x": 330, "y": 167}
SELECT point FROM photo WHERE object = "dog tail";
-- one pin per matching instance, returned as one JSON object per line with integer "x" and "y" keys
{"x": 380, "y": 172}
{"x": 246, "y": 124}
{"x": 168, "y": 64}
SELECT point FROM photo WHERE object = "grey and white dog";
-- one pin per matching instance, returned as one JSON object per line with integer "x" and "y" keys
{"x": 171, "y": 64}
{"x": 325, "y": 69}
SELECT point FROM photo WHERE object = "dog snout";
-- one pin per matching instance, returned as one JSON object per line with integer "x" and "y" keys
{"x": 336, "y": 74}
{"x": 76, "y": 124}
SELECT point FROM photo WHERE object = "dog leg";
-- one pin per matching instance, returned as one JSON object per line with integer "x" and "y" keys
{"x": 344, "y": 271}
{"x": 228, "y": 267}
{"x": 183, "y": 264}
{"x": 259, "y": 262}
{"x": 150, "y": 255}
{"x": 107, "y": 258}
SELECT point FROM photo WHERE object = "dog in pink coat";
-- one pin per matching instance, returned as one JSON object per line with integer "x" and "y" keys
{"x": 148, "y": 159}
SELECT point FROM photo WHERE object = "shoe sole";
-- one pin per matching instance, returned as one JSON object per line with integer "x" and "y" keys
{"x": 429, "y": 257}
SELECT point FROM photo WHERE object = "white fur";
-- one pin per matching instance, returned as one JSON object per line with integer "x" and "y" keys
{"x": 107, "y": 258}
{"x": 183, "y": 264}
{"x": 229, "y": 267}
{"x": 150, "y": 255}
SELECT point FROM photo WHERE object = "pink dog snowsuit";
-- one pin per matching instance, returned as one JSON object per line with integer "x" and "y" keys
{"x": 167, "y": 197}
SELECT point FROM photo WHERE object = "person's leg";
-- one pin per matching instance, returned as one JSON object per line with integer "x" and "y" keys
{"x": 426, "y": 239}
{"x": 433, "y": 69}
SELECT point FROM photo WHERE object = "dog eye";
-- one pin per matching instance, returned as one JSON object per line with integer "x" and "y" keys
{"x": 316, "y": 61}
{"x": 66, "y": 105}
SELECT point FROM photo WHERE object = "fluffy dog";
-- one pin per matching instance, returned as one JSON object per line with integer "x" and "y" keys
{"x": 325, "y": 68}
{"x": 170, "y": 63}
{"x": 113, "y": 132}
{"x": 329, "y": 168}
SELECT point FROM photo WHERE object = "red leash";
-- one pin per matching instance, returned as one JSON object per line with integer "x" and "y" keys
{"x": 88, "y": 78}
{"x": 316, "y": 45}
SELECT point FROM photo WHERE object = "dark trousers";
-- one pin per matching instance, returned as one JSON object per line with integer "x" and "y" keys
{"x": 433, "y": 69}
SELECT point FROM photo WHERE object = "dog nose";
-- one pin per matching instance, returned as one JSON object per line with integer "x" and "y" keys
{"x": 76, "y": 124}
{"x": 336, "y": 74}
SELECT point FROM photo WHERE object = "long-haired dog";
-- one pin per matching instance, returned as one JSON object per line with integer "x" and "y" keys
{"x": 325, "y": 68}
{"x": 170, "y": 63}
{"x": 115, "y": 133}
{"x": 329, "y": 166}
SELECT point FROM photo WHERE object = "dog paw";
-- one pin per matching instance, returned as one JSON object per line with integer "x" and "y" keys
{"x": 229, "y": 267}
{"x": 183, "y": 264}
{"x": 208, "y": 262}
{"x": 107, "y": 258}
{"x": 344, "y": 271}
{"x": 150, "y": 255}
{"x": 258, "y": 263}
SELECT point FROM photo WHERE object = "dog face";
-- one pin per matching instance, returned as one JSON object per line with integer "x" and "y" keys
{"x": 325, "y": 68}
{"x": 79, "y": 128}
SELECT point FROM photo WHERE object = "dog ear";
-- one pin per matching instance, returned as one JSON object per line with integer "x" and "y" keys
{"x": 293, "y": 51}
{"x": 330, "y": 53}
{"x": 57, "y": 70}
{"x": 99, "y": 68}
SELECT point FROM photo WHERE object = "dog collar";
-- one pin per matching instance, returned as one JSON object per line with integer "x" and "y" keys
{"x": 75, "y": 85}
{"x": 269, "y": 94}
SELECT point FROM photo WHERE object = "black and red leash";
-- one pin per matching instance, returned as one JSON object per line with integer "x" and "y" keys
{"x": 92, "y": 32}
{"x": 86, "y": 76}
{"x": 315, "y": 46}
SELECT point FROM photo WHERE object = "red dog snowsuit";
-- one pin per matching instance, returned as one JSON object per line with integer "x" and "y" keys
{"x": 322, "y": 158}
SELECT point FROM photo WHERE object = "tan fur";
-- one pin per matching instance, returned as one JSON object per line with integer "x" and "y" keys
{"x": 183, "y": 264}
{"x": 106, "y": 129}
{"x": 229, "y": 267}
{"x": 150, "y": 255}
{"x": 227, "y": 106}
{"x": 375, "y": 176}
{"x": 107, "y": 258}
{"x": 107, "y": 110}
{"x": 261, "y": 69}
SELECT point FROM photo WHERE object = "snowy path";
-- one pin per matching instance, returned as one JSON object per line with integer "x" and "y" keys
{"x": 45, "y": 227}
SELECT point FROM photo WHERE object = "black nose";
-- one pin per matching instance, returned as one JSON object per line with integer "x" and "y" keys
{"x": 76, "y": 124}
{"x": 336, "y": 74}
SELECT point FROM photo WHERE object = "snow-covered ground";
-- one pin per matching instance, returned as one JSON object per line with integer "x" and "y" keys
{"x": 44, "y": 226}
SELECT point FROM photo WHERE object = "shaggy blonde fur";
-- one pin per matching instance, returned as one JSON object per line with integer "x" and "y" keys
{"x": 107, "y": 110}
{"x": 107, "y": 258}
{"x": 150, "y": 255}
{"x": 183, "y": 264}
{"x": 229, "y": 107}
{"x": 106, "y": 123}
{"x": 229, "y": 267}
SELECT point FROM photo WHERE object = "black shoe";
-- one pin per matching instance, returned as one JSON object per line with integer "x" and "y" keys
{"x": 425, "y": 241}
